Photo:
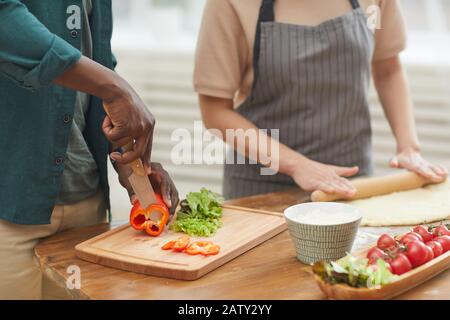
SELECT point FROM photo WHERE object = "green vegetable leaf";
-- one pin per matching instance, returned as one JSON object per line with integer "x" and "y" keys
{"x": 355, "y": 272}
{"x": 200, "y": 214}
{"x": 379, "y": 274}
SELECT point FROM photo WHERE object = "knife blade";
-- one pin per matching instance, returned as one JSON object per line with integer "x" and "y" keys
{"x": 140, "y": 182}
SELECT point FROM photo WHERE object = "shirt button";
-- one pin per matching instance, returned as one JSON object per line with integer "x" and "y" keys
{"x": 74, "y": 33}
{"x": 59, "y": 161}
{"x": 66, "y": 119}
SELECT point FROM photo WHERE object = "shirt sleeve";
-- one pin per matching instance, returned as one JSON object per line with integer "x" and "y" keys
{"x": 30, "y": 54}
{"x": 222, "y": 51}
{"x": 391, "y": 38}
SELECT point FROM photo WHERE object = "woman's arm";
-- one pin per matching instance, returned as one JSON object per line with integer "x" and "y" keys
{"x": 392, "y": 87}
{"x": 219, "y": 114}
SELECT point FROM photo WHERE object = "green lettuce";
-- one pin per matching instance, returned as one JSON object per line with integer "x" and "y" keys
{"x": 355, "y": 272}
{"x": 200, "y": 214}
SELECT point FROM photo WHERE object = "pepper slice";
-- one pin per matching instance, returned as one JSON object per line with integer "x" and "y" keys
{"x": 169, "y": 245}
{"x": 206, "y": 248}
{"x": 152, "y": 219}
{"x": 177, "y": 245}
{"x": 181, "y": 243}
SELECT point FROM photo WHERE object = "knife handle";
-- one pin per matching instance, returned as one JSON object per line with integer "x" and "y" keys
{"x": 137, "y": 165}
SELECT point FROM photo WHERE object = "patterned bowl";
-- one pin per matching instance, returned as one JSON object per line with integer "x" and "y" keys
{"x": 317, "y": 237}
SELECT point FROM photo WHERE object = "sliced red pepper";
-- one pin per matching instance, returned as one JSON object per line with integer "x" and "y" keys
{"x": 206, "y": 248}
{"x": 181, "y": 243}
{"x": 137, "y": 217}
{"x": 177, "y": 245}
{"x": 142, "y": 219}
{"x": 168, "y": 245}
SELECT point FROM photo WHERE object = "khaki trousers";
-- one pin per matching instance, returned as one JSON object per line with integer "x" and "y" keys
{"x": 20, "y": 274}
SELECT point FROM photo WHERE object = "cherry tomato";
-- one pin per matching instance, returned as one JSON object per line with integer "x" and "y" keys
{"x": 436, "y": 247}
{"x": 441, "y": 230}
{"x": 400, "y": 264}
{"x": 430, "y": 254}
{"x": 374, "y": 254}
{"x": 411, "y": 236}
{"x": 445, "y": 242}
{"x": 386, "y": 241}
{"x": 424, "y": 233}
{"x": 417, "y": 253}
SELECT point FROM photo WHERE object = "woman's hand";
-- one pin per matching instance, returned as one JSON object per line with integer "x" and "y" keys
{"x": 311, "y": 175}
{"x": 411, "y": 159}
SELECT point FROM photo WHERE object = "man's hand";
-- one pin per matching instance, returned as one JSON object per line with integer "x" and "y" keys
{"x": 128, "y": 120}
{"x": 160, "y": 180}
{"x": 411, "y": 159}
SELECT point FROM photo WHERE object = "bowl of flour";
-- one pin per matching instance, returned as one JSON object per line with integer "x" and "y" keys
{"x": 322, "y": 230}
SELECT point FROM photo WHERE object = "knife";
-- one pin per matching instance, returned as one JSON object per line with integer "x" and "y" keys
{"x": 139, "y": 178}
{"x": 140, "y": 182}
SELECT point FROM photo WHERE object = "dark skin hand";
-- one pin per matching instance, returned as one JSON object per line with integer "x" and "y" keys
{"x": 159, "y": 178}
{"x": 128, "y": 117}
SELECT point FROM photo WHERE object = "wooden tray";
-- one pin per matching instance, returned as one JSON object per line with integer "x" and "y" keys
{"x": 127, "y": 249}
{"x": 403, "y": 283}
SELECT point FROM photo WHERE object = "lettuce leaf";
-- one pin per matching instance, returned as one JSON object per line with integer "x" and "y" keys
{"x": 379, "y": 275}
{"x": 355, "y": 272}
{"x": 200, "y": 214}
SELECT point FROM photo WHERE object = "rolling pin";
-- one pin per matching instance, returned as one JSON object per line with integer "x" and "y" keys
{"x": 376, "y": 186}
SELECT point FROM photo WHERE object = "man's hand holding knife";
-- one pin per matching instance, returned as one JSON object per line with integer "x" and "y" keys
{"x": 128, "y": 120}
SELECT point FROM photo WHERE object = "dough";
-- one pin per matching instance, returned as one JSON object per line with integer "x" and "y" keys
{"x": 406, "y": 208}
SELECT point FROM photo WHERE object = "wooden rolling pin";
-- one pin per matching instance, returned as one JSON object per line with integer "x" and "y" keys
{"x": 376, "y": 186}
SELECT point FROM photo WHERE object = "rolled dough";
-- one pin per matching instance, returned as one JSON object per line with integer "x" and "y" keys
{"x": 413, "y": 207}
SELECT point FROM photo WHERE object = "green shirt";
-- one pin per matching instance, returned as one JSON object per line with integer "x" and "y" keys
{"x": 80, "y": 178}
{"x": 39, "y": 40}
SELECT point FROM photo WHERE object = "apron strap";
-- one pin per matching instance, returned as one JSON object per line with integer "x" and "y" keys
{"x": 355, "y": 4}
{"x": 266, "y": 14}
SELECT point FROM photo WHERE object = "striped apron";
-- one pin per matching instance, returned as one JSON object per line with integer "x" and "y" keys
{"x": 311, "y": 83}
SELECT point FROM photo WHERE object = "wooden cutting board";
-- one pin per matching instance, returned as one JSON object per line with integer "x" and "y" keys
{"x": 127, "y": 249}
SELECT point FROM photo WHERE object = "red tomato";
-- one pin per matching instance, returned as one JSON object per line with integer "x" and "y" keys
{"x": 400, "y": 264}
{"x": 386, "y": 241}
{"x": 411, "y": 236}
{"x": 417, "y": 253}
{"x": 445, "y": 242}
{"x": 436, "y": 247}
{"x": 423, "y": 231}
{"x": 374, "y": 254}
{"x": 441, "y": 230}
{"x": 430, "y": 254}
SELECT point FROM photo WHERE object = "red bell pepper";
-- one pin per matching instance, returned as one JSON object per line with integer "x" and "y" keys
{"x": 206, "y": 248}
{"x": 142, "y": 219}
{"x": 177, "y": 245}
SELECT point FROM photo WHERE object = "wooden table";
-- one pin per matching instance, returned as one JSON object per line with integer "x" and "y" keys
{"x": 269, "y": 271}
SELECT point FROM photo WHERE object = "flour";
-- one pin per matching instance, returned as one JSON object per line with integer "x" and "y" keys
{"x": 325, "y": 217}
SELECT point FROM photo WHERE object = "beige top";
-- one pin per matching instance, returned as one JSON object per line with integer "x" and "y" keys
{"x": 223, "y": 66}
